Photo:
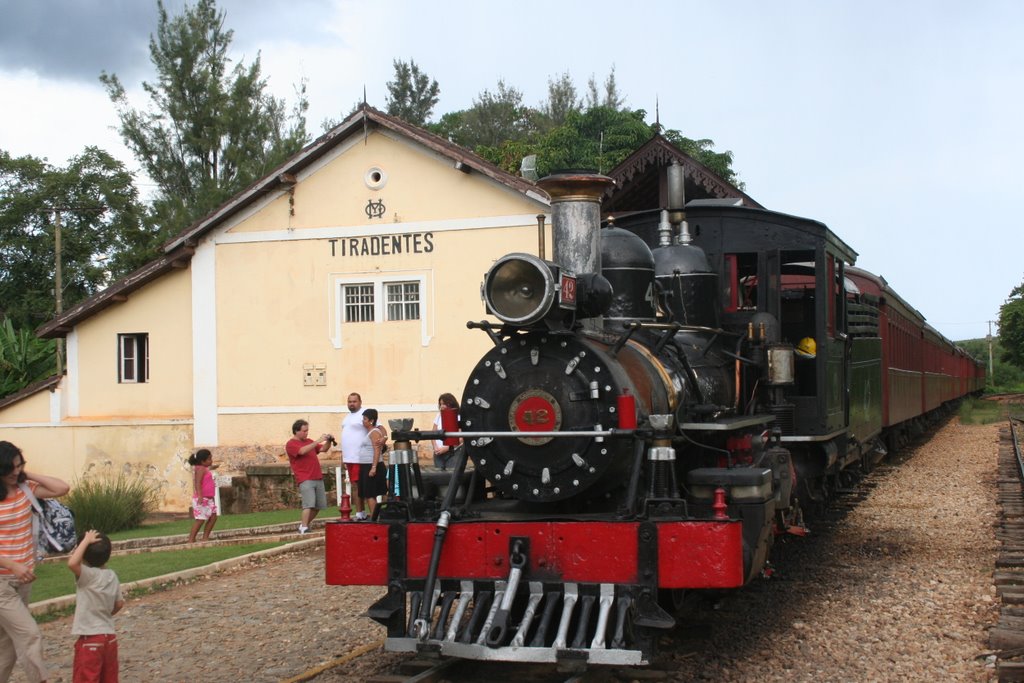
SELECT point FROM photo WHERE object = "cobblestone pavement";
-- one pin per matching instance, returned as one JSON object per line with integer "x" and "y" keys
{"x": 265, "y": 622}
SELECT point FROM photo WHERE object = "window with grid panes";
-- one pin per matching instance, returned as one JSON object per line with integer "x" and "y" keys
{"x": 133, "y": 358}
{"x": 403, "y": 300}
{"x": 359, "y": 303}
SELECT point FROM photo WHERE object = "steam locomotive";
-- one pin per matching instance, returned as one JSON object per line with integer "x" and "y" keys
{"x": 663, "y": 398}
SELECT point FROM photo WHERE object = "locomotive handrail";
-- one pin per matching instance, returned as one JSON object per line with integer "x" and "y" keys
{"x": 638, "y": 325}
{"x": 438, "y": 435}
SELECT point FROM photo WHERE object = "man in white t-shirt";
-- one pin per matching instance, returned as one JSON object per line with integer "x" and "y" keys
{"x": 353, "y": 434}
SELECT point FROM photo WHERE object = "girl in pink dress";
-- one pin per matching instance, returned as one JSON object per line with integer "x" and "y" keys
{"x": 204, "y": 505}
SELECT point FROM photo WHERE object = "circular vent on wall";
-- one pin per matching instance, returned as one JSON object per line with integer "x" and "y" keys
{"x": 375, "y": 178}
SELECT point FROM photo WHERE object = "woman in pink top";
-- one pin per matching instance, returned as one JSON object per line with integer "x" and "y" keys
{"x": 19, "y": 635}
{"x": 204, "y": 490}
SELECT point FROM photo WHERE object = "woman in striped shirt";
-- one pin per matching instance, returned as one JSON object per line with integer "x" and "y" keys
{"x": 19, "y": 635}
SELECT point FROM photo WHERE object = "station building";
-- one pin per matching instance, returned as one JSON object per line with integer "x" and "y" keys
{"x": 353, "y": 267}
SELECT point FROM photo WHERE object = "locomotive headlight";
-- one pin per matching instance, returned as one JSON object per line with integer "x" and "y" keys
{"x": 521, "y": 289}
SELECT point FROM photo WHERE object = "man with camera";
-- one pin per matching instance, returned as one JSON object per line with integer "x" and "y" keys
{"x": 302, "y": 456}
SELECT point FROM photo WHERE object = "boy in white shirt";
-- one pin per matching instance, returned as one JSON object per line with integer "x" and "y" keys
{"x": 97, "y": 600}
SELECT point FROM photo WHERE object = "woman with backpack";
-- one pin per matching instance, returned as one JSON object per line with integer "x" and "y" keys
{"x": 20, "y": 638}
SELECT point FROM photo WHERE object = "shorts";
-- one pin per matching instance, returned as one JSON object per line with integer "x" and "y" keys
{"x": 203, "y": 508}
{"x": 371, "y": 487}
{"x": 95, "y": 658}
{"x": 313, "y": 494}
{"x": 352, "y": 470}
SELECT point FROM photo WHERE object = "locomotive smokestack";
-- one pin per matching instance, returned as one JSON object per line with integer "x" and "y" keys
{"x": 576, "y": 219}
{"x": 677, "y": 201}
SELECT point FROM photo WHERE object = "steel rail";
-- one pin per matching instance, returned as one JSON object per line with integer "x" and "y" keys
{"x": 1016, "y": 447}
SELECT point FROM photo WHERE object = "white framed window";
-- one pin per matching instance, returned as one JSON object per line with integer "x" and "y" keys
{"x": 133, "y": 358}
{"x": 403, "y": 300}
{"x": 380, "y": 299}
{"x": 358, "y": 301}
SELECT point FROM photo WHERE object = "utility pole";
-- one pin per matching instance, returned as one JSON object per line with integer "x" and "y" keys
{"x": 58, "y": 273}
{"x": 989, "y": 338}
{"x": 58, "y": 287}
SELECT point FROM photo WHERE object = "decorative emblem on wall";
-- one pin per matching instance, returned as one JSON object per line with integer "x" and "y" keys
{"x": 375, "y": 209}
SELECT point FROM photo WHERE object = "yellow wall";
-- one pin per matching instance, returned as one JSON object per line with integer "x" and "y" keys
{"x": 32, "y": 409}
{"x": 278, "y": 296}
{"x": 276, "y": 278}
{"x": 163, "y": 310}
{"x": 419, "y": 186}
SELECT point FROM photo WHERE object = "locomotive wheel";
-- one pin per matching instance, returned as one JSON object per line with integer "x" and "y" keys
{"x": 672, "y": 600}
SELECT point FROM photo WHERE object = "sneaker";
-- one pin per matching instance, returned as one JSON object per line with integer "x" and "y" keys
{"x": 303, "y": 529}
{"x": 360, "y": 516}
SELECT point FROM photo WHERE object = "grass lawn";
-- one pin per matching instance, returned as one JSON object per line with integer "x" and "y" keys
{"x": 55, "y": 579}
{"x": 977, "y": 411}
{"x": 250, "y": 519}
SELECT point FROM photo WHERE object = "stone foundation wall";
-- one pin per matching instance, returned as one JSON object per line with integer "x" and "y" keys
{"x": 271, "y": 487}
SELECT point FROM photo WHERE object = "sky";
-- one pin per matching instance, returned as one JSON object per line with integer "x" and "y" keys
{"x": 897, "y": 123}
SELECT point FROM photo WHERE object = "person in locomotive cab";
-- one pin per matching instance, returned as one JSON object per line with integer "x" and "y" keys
{"x": 353, "y": 433}
{"x": 806, "y": 378}
{"x": 442, "y": 453}
{"x": 807, "y": 348}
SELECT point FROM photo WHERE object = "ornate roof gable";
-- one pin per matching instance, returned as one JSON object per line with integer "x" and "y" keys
{"x": 638, "y": 178}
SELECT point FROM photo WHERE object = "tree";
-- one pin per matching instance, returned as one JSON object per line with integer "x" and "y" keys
{"x": 494, "y": 118}
{"x": 611, "y": 98}
{"x": 24, "y": 358}
{"x": 562, "y": 101}
{"x": 210, "y": 130}
{"x": 1011, "y": 327}
{"x": 103, "y": 235}
{"x": 703, "y": 151}
{"x": 412, "y": 95}
{"x": 596, "y": 139}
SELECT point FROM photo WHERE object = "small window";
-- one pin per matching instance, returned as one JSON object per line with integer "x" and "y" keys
{"x": 358, "y": 303}
{"x": 403, "y": 299}
{"x": 740, "y": 291}
{"x": 133, "y": 358}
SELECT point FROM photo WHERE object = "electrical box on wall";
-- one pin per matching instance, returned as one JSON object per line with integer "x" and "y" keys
{"x": 320, "y": 374}
{"x": 307, "y": 374}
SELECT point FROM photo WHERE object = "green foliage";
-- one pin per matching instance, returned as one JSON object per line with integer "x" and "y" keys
{"x": 562, "y": 101}
{"x": 495, "y": 118}
{"x": 211, "y": 130}
{"x": 703, "y": 151}
{"x": 597, "y": 139}
{"x": 102, "y": 233}
{"x": 979, "y": 411}
{"x": 1011, "y": 327}
{"x": 54, "y": 579}
{"x": 611, "y": 99}
{"x": 1005, "y": 376}
{"x": 110, "y": 503}
{"x": 564, "y": 132}
{"x": 412, "y": 95}
{"x": 24, "y": 358}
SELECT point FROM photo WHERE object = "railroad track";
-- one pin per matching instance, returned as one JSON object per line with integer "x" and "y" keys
{"x": 1007, "y": 638}
{"x": 689, "y": 639}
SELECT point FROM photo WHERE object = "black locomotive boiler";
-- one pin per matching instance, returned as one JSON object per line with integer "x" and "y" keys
{"x": 662, "y": 399}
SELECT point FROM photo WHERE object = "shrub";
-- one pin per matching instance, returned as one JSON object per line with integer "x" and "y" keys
{"x": 108, "y": 503}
